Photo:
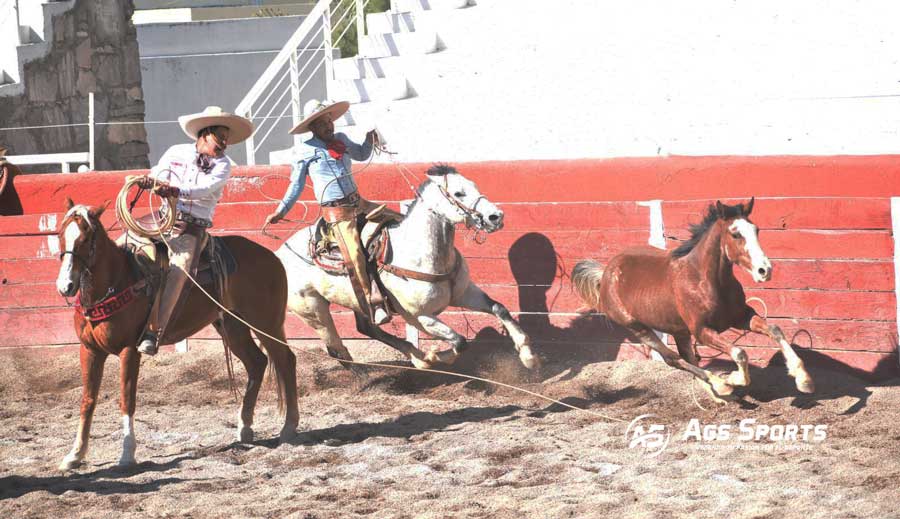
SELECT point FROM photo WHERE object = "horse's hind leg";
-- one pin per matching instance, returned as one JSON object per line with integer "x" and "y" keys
{"x": 285, "y": 364}
{"x": 685, "y": 348}
{"x": 91, "y": 376}
{"x": 796, "y": 369}
{"x": 315, "y": 311}
{"x": 741, "y": 377}
{"x": 129, "y": 366}
{"x": 717, "y": 386}
{"x": 474, "y": 298}
{"x": 237, "y": 339}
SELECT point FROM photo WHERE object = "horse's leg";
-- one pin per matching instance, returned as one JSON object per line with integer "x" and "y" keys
{"x": 285, "y": 363}
{"x": 685, "y": 348}
{"x": 795, "y": 365}
{"x": 418, "y": 359}
{"x": 237, "y": 339}
{"x": 474, "y": 298}
{"x": 717, "y": 386}
{"x": 129, "y": 366}
{"x": 711, "y": 338}
{"x": 437, "y": 328}
{"x": 315, "y": 311}
{"x": 91, "y": 376}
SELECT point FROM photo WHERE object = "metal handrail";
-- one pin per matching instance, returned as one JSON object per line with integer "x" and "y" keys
{"x": 267, "y": 96}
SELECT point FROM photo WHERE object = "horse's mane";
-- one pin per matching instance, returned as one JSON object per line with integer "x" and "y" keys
{"x": 698, "y": 230}
{"x": 437, "y": 170}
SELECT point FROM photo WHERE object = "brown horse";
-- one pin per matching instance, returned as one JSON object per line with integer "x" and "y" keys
{"x": 257, "y": 291}
{"x": 689, "y": 292}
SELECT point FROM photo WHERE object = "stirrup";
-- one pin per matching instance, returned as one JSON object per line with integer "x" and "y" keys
{"x": 148, "y": 344}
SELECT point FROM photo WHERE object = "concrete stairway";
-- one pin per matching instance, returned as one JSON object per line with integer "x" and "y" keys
{"x": 393, "y": 58}
{"x": 26, "y": 39}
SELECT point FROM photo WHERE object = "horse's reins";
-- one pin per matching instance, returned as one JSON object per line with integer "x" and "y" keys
{"x": 382, "y": 365}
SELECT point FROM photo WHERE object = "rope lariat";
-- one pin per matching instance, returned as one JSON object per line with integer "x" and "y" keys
{"x": 124, "y": 209}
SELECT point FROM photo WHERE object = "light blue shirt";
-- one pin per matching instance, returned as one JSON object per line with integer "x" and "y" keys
{"x": 331, "y": 178}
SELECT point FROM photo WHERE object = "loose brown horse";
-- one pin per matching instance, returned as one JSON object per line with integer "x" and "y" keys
{"x": 689, "y": 292}
{"x": 257, "y": 291}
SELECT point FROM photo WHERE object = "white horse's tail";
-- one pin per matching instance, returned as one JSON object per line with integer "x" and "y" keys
{"x": 586, "y": 278}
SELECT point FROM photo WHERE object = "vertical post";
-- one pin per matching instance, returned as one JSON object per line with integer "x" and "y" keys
{"x": 18, "y": 25}
{"x": 329, "y": 51}
{"x": 296, "y": 115}
{"x": 91, "y": 130}
{"x": 895, "y": 223}
{"x": 182, "y": 346}
{"x": 360, "y": 23}
{"x": 249, "y": 143}
{"x": 657, "y": 239}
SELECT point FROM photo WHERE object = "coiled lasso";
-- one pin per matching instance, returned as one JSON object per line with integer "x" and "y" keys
{"x": 124, "y": 208}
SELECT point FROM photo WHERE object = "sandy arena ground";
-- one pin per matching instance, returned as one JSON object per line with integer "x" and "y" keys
{"x": 408, "y": 445}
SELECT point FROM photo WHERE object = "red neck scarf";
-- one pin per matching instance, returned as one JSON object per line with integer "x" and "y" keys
{"x": 336, "y": 149}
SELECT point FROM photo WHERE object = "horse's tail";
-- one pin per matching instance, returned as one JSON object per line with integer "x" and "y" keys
{"x": 586, "y": 278}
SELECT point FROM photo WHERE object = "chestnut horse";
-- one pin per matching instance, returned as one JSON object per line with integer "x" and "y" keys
{"x": 93, "y": 264}
{"x": 689, "y": 292}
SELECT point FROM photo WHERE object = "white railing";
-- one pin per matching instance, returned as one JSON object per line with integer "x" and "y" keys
{"x": 290, "y": 78}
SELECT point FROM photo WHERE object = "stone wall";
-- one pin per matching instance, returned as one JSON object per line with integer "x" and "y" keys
{"x": 93, "y": 49}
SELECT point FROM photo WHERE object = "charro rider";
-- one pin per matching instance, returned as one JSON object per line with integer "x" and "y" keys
{"x": 325, "y": 158}
{"x": 196, "y": 173}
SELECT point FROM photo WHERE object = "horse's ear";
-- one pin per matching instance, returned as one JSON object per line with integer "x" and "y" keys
{"x": 720, "y": 208}
{"x": 95, "y": 212}
{"x": 69, "y": 203}
{"x": 749, "y": 207}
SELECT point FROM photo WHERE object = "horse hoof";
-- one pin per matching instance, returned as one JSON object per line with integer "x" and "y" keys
{"x": 126, "y": 462}
{"x": 69, "y": 464}
{"x": 720, "y": 388}
{"x": 287, "y": 434}
{"x": 529, "y": 359}
{"x": 420, "y": 363}
{"x": 736, "y": 378}
{"x": 805, "y": 384}
{"x": 245, "y": 435}
{"x": 447, "y": 357}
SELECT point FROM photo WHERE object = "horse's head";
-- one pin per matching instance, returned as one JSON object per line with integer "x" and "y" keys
{"x": 77, "y": 243}
{"x": 740, "y": 240}
{"x": 458, "y": 200}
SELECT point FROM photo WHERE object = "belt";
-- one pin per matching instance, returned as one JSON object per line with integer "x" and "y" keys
{"x": 193, "y": 220}
{"x": 351, "y": 199}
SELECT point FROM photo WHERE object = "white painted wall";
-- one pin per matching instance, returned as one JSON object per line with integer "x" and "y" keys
{"x": 538, "y": 79}
{"x": 9, "y": 39}
{"x": 187, "y": 66}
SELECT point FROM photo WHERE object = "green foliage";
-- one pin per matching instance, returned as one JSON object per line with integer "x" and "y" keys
{"x": 349, "y": 43}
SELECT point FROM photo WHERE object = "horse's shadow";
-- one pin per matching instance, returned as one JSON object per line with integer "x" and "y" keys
{"x": 103, "y": 481}
{"x": 834, "y": 380}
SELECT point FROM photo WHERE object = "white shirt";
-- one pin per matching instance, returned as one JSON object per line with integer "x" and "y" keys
{"x": 200, "y": 192}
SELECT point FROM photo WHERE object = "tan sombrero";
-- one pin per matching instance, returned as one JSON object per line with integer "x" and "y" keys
{"x": 239, "y": 128}
{"x": 315, "y": 109}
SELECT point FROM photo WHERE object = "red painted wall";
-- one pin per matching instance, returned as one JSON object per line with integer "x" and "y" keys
{"x": 825, "y": 222}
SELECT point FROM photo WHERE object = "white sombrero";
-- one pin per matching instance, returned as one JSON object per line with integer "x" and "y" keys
{"x": 315, "y": 109}
{"x": 239, "y": 128}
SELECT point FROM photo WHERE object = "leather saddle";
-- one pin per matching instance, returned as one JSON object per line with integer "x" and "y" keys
{"x": 150, "y": 257}
{"x": 326, "y": 254}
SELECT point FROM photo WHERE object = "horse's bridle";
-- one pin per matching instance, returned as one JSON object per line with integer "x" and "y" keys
{"x": 86, "y": 263}
{"x": 470, "y": 212}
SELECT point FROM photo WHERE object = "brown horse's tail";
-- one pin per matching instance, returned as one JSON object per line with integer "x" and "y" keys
{"x": 586, "y": 278}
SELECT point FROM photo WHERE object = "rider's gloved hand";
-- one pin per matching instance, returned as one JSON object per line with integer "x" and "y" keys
{"x": 165, "y": 191}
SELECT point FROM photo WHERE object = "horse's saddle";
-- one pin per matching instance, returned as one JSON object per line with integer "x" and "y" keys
{"x": 326, "y": 253}
{"x": 151, "y": 259}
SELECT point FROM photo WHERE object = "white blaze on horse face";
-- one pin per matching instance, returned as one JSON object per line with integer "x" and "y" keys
{"x": 760, "y": 266}
{"x": 67, "y": 271}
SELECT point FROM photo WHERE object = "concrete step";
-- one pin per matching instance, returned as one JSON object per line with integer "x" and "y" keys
{"x": 366, "y": 90}
{"x": 389, "y": 21}
{"x": 400, "y": 6}
{"x": 367, "y": 68}
{"x": 396, "y": 44}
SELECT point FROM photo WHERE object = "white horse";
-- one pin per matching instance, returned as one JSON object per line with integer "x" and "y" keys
{"x": 422, "y": 243}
